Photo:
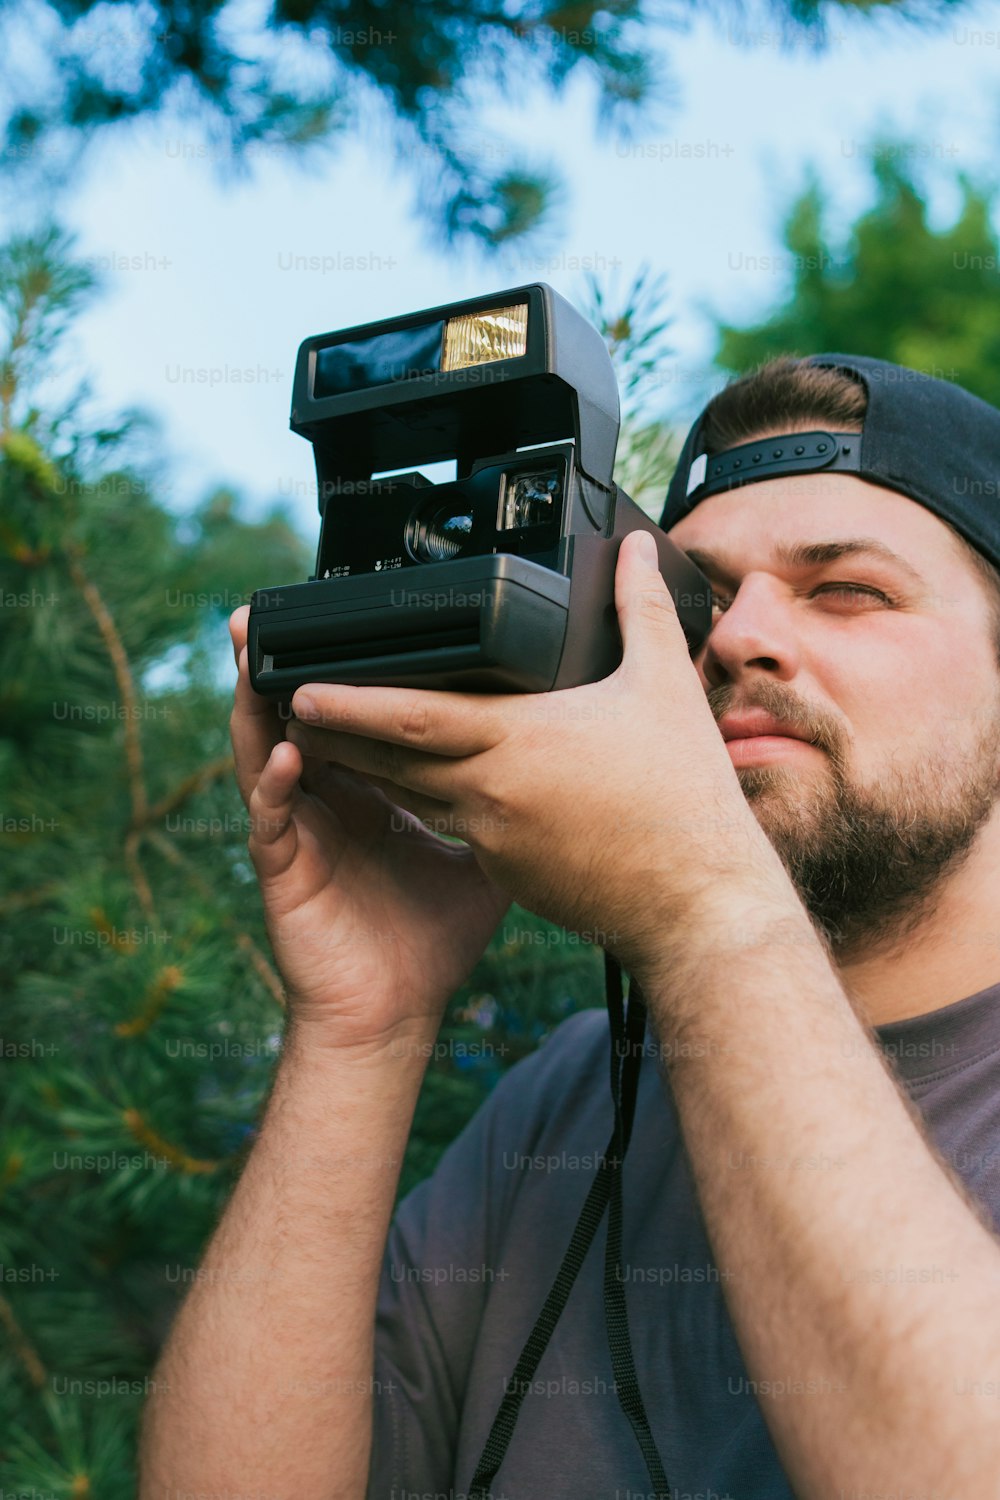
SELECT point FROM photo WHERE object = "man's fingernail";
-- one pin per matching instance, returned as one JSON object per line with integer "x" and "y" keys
{"x": 647, "y": 546}
{"x": 304, "y": 707}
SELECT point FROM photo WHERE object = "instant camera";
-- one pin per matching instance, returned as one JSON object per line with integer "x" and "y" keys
{"x": 500, "y": 578}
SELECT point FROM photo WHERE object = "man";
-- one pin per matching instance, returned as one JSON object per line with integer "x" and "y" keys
{"x": 811, "y": 1195}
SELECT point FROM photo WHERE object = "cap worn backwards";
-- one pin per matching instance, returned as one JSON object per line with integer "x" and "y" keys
{"x": 924, "y": 437}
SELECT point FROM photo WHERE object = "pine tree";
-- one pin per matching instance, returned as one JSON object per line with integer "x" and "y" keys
{"x": 300, "y": 76}
{"x": 892, "y": 286}
{"x": 142, "y": 1012}
{"x": 634, "y": 327}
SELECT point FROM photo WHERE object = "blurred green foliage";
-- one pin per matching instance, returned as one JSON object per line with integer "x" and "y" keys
{"x": 894, "y": 286}
{"x": 304, "y": 74}
{"x": 142, "y": 1014}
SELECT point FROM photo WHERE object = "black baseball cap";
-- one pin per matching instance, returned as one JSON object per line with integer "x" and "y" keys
{"x": 925, "y": 437}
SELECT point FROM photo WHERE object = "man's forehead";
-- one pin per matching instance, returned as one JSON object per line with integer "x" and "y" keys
{"x": 801, "y": 522}
{"x": 812, "y": 555}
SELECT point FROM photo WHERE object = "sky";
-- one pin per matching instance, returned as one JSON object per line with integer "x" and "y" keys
{"x": 210, "y": 285}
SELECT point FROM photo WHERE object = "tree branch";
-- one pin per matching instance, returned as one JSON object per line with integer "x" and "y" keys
{"x": 133, "y": 743}
{"x": 18, "y": 900}
{"x": 146, "y": 1136}
{"x": 22, "y": 1346}
{"x": 191, "y": 784}
{"x": 267, "y": 973}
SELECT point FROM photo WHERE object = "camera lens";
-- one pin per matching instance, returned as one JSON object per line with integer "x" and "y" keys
{"x": 439, "y": 536}
{"x": 528, "y": 499}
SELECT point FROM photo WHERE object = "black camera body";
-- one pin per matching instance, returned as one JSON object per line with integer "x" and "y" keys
{"x": 500, "y": 579}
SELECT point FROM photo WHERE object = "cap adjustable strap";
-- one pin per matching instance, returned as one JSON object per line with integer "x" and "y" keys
{"x": 791, "y": 453}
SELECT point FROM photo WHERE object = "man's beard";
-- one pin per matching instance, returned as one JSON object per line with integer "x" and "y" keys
{"x": 869, "y": 863}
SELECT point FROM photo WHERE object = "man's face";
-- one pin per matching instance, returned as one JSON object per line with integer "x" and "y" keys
{"x": 902, "y": 698}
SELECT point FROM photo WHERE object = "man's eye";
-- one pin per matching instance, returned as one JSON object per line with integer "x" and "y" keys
{"x": 853, "y": 589}
{"x": 721, "y": 603}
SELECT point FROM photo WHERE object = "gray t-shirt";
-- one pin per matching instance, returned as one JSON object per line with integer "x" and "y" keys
{"x": 472, "y": 1253}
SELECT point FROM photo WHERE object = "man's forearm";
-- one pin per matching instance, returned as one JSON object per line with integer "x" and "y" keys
{"x": 817, "y": 1184}
{"x": 265, "y": 1385}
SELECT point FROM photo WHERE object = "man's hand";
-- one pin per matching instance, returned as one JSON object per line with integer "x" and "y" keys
{"x": 374, "y": 920}
{"x": 606, "y": 808}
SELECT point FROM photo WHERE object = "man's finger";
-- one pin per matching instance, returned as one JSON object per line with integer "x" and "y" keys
{"x": 273, "y": 835}
{"x": 455, "y": 724}
{"x": 372, "y": 804}
{"x": 433, "y": 776}
{"x": 647, "y": 616}
{"x": 238, "y": 627}
{"x": 255, "y": 728}
{"x": 438, "y": 817}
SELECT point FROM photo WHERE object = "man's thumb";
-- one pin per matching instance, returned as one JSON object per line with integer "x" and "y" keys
{"x": 647, "y": 618}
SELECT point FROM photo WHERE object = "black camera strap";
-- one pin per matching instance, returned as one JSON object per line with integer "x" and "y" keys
{"x": 627, "y": 1034}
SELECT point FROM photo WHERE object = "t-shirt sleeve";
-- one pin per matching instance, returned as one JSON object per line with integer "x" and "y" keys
{"x": 437, "y": 1272}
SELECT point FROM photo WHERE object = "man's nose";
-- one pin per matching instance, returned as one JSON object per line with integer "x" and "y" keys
{"x": 757, "y": 630}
